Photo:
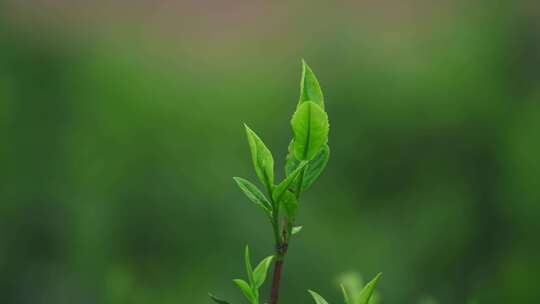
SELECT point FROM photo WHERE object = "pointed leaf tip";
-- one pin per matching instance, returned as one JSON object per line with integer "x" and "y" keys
{"x": 261, "y": 271}
{"x": 262, "y": 158}
{"x": 368, "y": 290}
{"x": 317, "y": 297}
{"x": 309, "y": 86}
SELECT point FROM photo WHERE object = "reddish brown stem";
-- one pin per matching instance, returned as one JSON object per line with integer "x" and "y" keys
{"x": 274, "y": 293}
{"x": 281, "y": 250}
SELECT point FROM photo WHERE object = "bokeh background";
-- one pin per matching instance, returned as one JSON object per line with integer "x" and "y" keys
{"x": 121, "y": 127}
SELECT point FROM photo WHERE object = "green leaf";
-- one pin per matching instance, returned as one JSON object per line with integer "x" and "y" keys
{"x": 296, "y": 229}
{"x": 291, "y": 162}
{"x": 263, "y": 162}
{"x": 345, "y": 295}
{"x": 309, "y": 87}
{"x": 310, "y": 127}
{"x": 249, "y": 269}
{"x": 278, "y": 192}
{"x": 253, "y": 193}
{"x": 260, "y": 272}
{"x": 246, "y": 289}
{"x": 217, "y": 300}
{"x": 313, "y": 170}
{"x": 316, "y": 167}
{"x": 353, "y": 284}
{"x": 367, "y": 292}
{"x": 289, "y": 204}
{"x": 317, "y": 297}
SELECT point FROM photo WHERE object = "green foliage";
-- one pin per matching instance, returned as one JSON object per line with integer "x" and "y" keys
{"x": 259, "y": 274}
{"x": 279, "y": 191}
{"x": 290, "y": 205}
{"x": 263, "y": 162}
{"x": 355, "y": 292}
{"x": 254, "y": 194}
{"x": 142, "y": 170}
{"x": 310, "y": 126}
{"x": 367, "y": 292}
{"x": 246, "y": 289}
{"x": 256, "y": 277}
{"x": 308, "y": 154}
{"x": 314, "y": 168}
{"x": 317, "y": 297}
{"x": 309, "y": 87}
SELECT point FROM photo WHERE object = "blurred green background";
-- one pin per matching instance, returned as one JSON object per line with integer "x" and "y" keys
{"x": 121, "y": 127}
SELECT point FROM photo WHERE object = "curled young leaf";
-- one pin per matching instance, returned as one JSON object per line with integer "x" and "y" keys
{"x": 253, "y": 193}
{"x": 289, "y": 203}
{"x": 260, "y": 272}
{"x": 316, "y": 167}
{"x": 310, "y": 126}
{"x": 313, "y": 169}
{"x": 309, "y": 87}
{"x": 317, "y": 297}
{"x": 278, "y": 192}
{"x": 263, "y": 162}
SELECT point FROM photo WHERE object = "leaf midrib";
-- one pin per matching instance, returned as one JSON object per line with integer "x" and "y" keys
{"x": 306, "y": 148}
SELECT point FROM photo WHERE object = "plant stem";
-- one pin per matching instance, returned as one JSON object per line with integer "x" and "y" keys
{"x": 274, "y": 293}
{"x": 282, "y": 244}
{"x": 281, "y": 250}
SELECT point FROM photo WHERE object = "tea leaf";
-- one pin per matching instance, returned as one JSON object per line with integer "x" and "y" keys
{"x": 291, "y": 162}
{"x": 260, "y": 272}
{"x": 284, "y": 185}
{"x": 316, "y": 167}
{"x": 367, "y": 292}
{"x": 263, "y": 162}
{"x": 310, "y": 127}
{"x": 317, "y": 297}
{"x": 289, "y": 204}
{"x": 309, "y": 87}
{"x": 253, "y": 193}
{"x": 246, "y": 289}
